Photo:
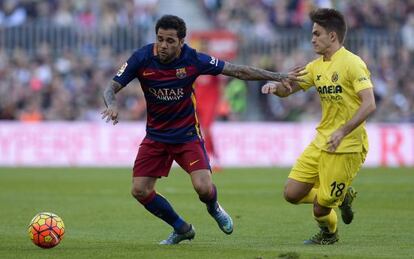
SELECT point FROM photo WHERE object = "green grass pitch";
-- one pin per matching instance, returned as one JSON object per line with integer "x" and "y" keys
{"x": 103, "y": 220}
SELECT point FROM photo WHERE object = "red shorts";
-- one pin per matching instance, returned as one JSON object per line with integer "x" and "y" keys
{"x": 154, "y": 159}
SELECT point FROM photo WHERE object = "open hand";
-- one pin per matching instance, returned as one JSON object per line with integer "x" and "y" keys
{"x": 335, "y": 140}
{"x": 296, "y": 73}
{"x": 110, "y": 114}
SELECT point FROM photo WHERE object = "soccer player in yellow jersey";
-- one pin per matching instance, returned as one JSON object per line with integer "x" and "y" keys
{"x": 324, "y": 172}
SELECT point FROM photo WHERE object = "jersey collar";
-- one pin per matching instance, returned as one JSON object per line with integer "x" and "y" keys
{"x": 338, "y": 53}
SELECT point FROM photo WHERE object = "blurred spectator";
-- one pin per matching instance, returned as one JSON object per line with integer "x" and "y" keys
{"x": 31, "y": 111}
{"x": 12, "y": 14}
{"x": 236, "y": 95}
{"x": 407, "y": 32}
{"x": 63, "y": 15}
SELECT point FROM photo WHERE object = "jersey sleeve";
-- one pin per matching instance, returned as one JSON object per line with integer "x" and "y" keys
{"x": 209, "y": 65}
{"x": 308, "y": 78}
{"x": 128, "y": 70}
{"x": 360, "y": 76}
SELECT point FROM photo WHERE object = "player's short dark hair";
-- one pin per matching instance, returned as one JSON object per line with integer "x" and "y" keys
{"x": 172, "y": 22}
{"x": 330, "y": 20}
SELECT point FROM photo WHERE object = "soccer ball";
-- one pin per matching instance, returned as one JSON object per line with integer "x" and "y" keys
{"x": 46, "y": 230}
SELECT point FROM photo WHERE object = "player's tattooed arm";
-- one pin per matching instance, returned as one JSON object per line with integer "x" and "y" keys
{"x": 253, "y": 73}
{"x": 109, "y": 93}
{"x": 111, "y": 111}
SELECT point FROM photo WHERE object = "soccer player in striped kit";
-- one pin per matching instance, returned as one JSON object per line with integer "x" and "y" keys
{"x": 167, "y": 70}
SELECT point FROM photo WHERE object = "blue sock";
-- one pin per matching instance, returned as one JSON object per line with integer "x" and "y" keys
{"x": 160, "y": 207}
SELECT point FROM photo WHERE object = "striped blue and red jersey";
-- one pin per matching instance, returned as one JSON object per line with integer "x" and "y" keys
{"x": 169, "y": 91}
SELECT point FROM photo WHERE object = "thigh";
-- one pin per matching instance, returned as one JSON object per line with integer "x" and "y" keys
{"x": 153, "y": 160}
{"x": 306, "y": 167}
{"x": 191, "y": 156}
{"x": 337, "y": 170}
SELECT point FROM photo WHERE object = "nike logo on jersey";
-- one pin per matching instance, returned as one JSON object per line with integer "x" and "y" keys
{"x": 192, "y": 163}
{"x": 147, "y": 73}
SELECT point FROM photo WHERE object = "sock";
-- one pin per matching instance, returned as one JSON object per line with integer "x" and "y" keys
{"x": 161, "y": 208}
{"x": 329, "y": 221}
{"x": 310, "y": 197}
{"x": 211, "y": 200}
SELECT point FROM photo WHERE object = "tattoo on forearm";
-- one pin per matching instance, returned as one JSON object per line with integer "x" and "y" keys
{"x": 109, "y": 93}
{"x": 251, "y": 73}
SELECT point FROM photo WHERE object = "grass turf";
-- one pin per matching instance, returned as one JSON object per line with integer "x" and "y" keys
{"x": 103, "y": 220}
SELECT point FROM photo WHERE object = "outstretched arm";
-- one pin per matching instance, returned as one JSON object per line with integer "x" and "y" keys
{"x": 282, "y": 89}
{"x": 111, "y": 111}
{"x": 253, "y": 73}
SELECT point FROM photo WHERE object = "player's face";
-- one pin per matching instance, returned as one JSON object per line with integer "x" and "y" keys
{"x": 321, "y": 39}
{"x": 168, "y": 45}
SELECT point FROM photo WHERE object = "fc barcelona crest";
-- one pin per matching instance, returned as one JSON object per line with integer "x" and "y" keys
{"x": 334, "y": 77}
{"x": 180, "y": 73}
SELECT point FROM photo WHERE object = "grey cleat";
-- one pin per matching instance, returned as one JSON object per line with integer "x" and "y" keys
{"x": 175, "y": 238}
{"x": 223, "y": 219}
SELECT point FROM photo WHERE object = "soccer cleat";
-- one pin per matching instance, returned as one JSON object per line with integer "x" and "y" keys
{"x": 223, "y": 219}
{"x": 175, "y": 238}
{"x": 323, "y": 237}
{"x": 346, "y": 207}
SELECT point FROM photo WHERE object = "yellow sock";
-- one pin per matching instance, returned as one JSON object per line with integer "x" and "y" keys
{"x": 310, "y": 196}
{"x": 330, "y": 221}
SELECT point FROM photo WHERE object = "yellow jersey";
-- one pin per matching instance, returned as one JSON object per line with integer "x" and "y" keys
{"x": 338, "y": 82}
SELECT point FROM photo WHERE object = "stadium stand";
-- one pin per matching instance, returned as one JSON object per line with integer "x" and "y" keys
{"x": 57, "y": 56}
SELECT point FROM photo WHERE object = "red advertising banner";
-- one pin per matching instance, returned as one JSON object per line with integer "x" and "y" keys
{"x": 221, "y": 44}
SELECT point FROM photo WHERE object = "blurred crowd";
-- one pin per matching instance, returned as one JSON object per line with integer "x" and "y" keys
{"x": 68, "y": 87}
{"x": 102, "y": 14}
{"x": 45, "y": 86}
{"x": 380, "y": 31}
{"x": 263, "y": 16}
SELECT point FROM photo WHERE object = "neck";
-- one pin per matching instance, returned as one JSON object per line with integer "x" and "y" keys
{"x": 178, "y": 53}
{"x": 330, "y": 51}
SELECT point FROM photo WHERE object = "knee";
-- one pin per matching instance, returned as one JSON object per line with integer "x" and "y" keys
{"x": 139, "y": 193}
{"x": 291, "y": 196}
{"x": 202, "y": 189}
{"x": 320, "y": 211}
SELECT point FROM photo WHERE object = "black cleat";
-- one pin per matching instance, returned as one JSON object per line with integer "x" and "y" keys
{"x": 323, "y": 237}
{"x": 346, "y": 207}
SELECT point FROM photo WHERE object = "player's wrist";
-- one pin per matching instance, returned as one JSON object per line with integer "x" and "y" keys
{"x": 113, "y": 106}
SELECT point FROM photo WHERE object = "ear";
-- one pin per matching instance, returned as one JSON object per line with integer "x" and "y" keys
{"x": 333, "y": 36}
{"x": 181, "y": 42}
